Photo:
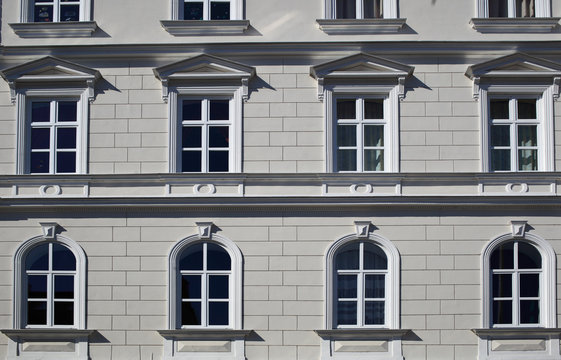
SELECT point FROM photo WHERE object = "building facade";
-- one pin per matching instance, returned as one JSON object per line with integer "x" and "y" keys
{"x": 312, "y": 180}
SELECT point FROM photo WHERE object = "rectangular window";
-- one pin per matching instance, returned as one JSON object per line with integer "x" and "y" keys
{"x": 205, "y": 134}
{"x": 56, "y": 10}
{"x": 512, "y": 8}
{"x": 53, "y": 136}
{"x": 206, "y": 10}
{"x": 514, "y": 128}
{"x": 359, "y": 9}
{"x": 359, "y": 135}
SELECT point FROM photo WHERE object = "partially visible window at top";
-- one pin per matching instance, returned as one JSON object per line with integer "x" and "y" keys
{"x": 205, "y": 10}
{"x": 56, "y": 10}
{"x": 359, "y": 9}
{"x": 512, "y": 8}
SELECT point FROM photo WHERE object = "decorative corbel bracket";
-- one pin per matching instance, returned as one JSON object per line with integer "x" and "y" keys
{"x": 320, "y": 89}
{"x": 556, "y": 83}
{"x": 401, "y": 88}
{"x": 205, "y": 230}
{"x": 49, "y": 230}
{"x": 165, "y": 90}
{"x": 245, "y": 89}
{"x": 518, "y": 228}
{"x": 476, "y": 81}
{"x": 13, "y": 95}
{"x": 363, "y": 229}
{"x": 91, "y": 90}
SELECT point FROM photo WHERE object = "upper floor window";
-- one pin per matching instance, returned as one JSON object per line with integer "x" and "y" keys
{"x": 206, "y": 10}
{"x": 512, "y": 8}
{"x": 513, "y": 16}
{"x": 359, "y": 9}
{"x": 57, "y": 10}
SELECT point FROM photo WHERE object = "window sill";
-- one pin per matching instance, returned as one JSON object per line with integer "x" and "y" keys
{"x": 56, "y": 344}
{"x": 518, "y": 343}
{"x": 194, "y": 344}
{"x": 514, "y": 25}
{"x": 205, "y": 27}
{"x": 360, "y": 26}
{"x": 55, "y": 29}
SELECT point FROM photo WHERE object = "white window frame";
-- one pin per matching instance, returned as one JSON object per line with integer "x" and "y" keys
{"x": 27, "y": 10}
{"x": 389, "y": 6}
{"x": 24, "y": 99}
{"x": 234, "y": 94}
{"x": 236, "y": 9}
{"x": 542, "y": 8}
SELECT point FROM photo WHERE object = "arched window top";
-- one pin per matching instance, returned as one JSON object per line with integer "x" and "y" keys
{"x": 363, "y": 255}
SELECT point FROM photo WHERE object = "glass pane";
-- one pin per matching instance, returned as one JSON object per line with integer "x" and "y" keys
{"x": 191, "y": 313}
{"x": 219, "y": 136}
{"x": 64, "y": 287}
{"x": 527, "y": 135}
{"x": 529, "y": 311}
{"x": 66, "y": 162}
{"x": 40, "y": 138}
{"x": 346, "y": 160}
{"x": 70, "y": 13}
{"x": 43, "y": 13}
{"x": 219, "y": 10}
{"x": 503, "y": 257}
{"x": 218, "y": 313}
{"x": 499, "y": 109}
{"x": 525, "y": 8}
{"x": 192, "y": 108}
{"x": 373, "y": 9}
{"x": 40, "y": 111}
{"x": 502, "y": 285}
{"x": 191, "y": 137}
{"x": 529, "y": 285}
{"x": 373, "y": 160}
{"x": 63, "y": 258}
{"x": 500, "y": 160}
{"x": 347, "y": 257}
{"x": 66, "y": 138}
{"x": 191, "y": 286}
{"x": 191, "y": 161}
{"x": 39, "y": 163}
{"x": 374, "y": 135}
{"x": 193, "y": 11}
{"x": 498, "y": 8}
{"x": 527, "y": 109}
{"x": 528, "y": 256}
{"x": 192, "y": 258}
{"x": 346, "y": 135}
{"x": 374, "y": 109}
{"x": 502, "y": 312}
{"x": 217, "y": 258}
{"x": 218, "y": 161}
{"x": 64, "y": 313}
{"x": 346, "y": 286}
{"x": 36, "y": 313}
{"x": 528, "y": 160}
{"x": 346, "y": 109}
{"x": 36, "y": 286}
{"x": 220, "y": 109}
{"x": 346, "y": 313}
{"x": 218, "y": 286}
{"x": 38, "y": 258}
{"x": 67, "y": 111}
{"x": 374, "y": 313}
{"x": 500, "y": 135}
{"x": 374, "y": 286}
{"x": 346, "y": 9}
{"x": 374, "y": 257}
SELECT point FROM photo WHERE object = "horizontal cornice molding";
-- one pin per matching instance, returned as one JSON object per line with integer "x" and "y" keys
{"x": 516, "y": 332}
{"x": 51, "y": 334}
{"x": 362, "y": 334}
{"x": 207, "y": 334}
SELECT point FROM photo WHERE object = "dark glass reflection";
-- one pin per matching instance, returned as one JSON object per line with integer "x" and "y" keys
{"x": 191, "y": 161}
{"x": 373, "y": 160}
{"x": 219, "y": 10}
{"x": 500, "y": 135}
{"x": 220, "y": 109}
{"x": 191, "y": 313}
{"x": 193, "y": 11}
{"x": 219, "y": 136}
{"x": 528, "y": 256}
{"x": 346, "y": 160}
{"x": 500, "y": 160}
{"x": 218, "y": 161}
{"x": 374, "y": 313}
{"x": 38, "y": 258}
{"x": 36, "y": 286}
{"x": 502, "y": 312}
{"x": 529, "y": 311}
{"x": 502, "y": 285}
{"x": 503, "y": 257}
{"x": 346, "y": 286}
{"x": 527, "y": 135}
{"x": 498, "y": 8}
{"x": 64, "y": 287}
{"x": 40, "y": 138}
{"x": 218, "y": 286}
{"x": 346, "y": 9}
{"x": 529, "y": 285}
{"x": 192, "y": 258}
{"x": 346, "y": 312}
{"x": 373, "y": 135}
{"x": 66, "y": 138}
{"x": 346, "y": 135}
{"x": 346, "y": 109}
{"x": 373, "y": 9}
{"x": 40, "y": 111}
{"x": 217, "y": 258}
{"x": 218, "y": 313}
{"x": 374, "y": 257}
{"x": 499, "y": 109}
{"x": 191, "y": 286}
{"x": 375, "y": 286}
{"x": 70, "y": 13}
{"x": 528, "y": 160}
{"x": 525, "y": 8}
{"x": 527, "y": 109}
{"x": 64, "y": 313}
{"x": 191, "y": 137}
{"x": 66, "y": 162}
{"x": 374, "y": 109}
{"x": 67, "y": 111}
{"x": 348, "y": 257}
{"x": 39, "y": 163}
{"x": 63, "y": 258}
{"x": 36, "y": 313}
{"x": 192, "y": 108}
{"x": 43, "y": 13}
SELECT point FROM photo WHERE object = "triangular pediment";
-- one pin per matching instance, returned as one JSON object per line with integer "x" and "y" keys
{"x": 361, "y": 66}
{"x": 49, "y": 68}
{"x": 204, "y": 66}
{"x": 515, "y": 65}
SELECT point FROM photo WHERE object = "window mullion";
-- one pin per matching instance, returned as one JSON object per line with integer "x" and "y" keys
{"x": 512, "y": 9}
{"x": 360, "y": 136}
{"x": 513, "y": 135}
{"x": 206, "y": 10}
{"x": 360, "y": 287}
{"x": 359, "y": 9}
{"x": 205, "y": 117}
{"x": 204, "y": 288}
